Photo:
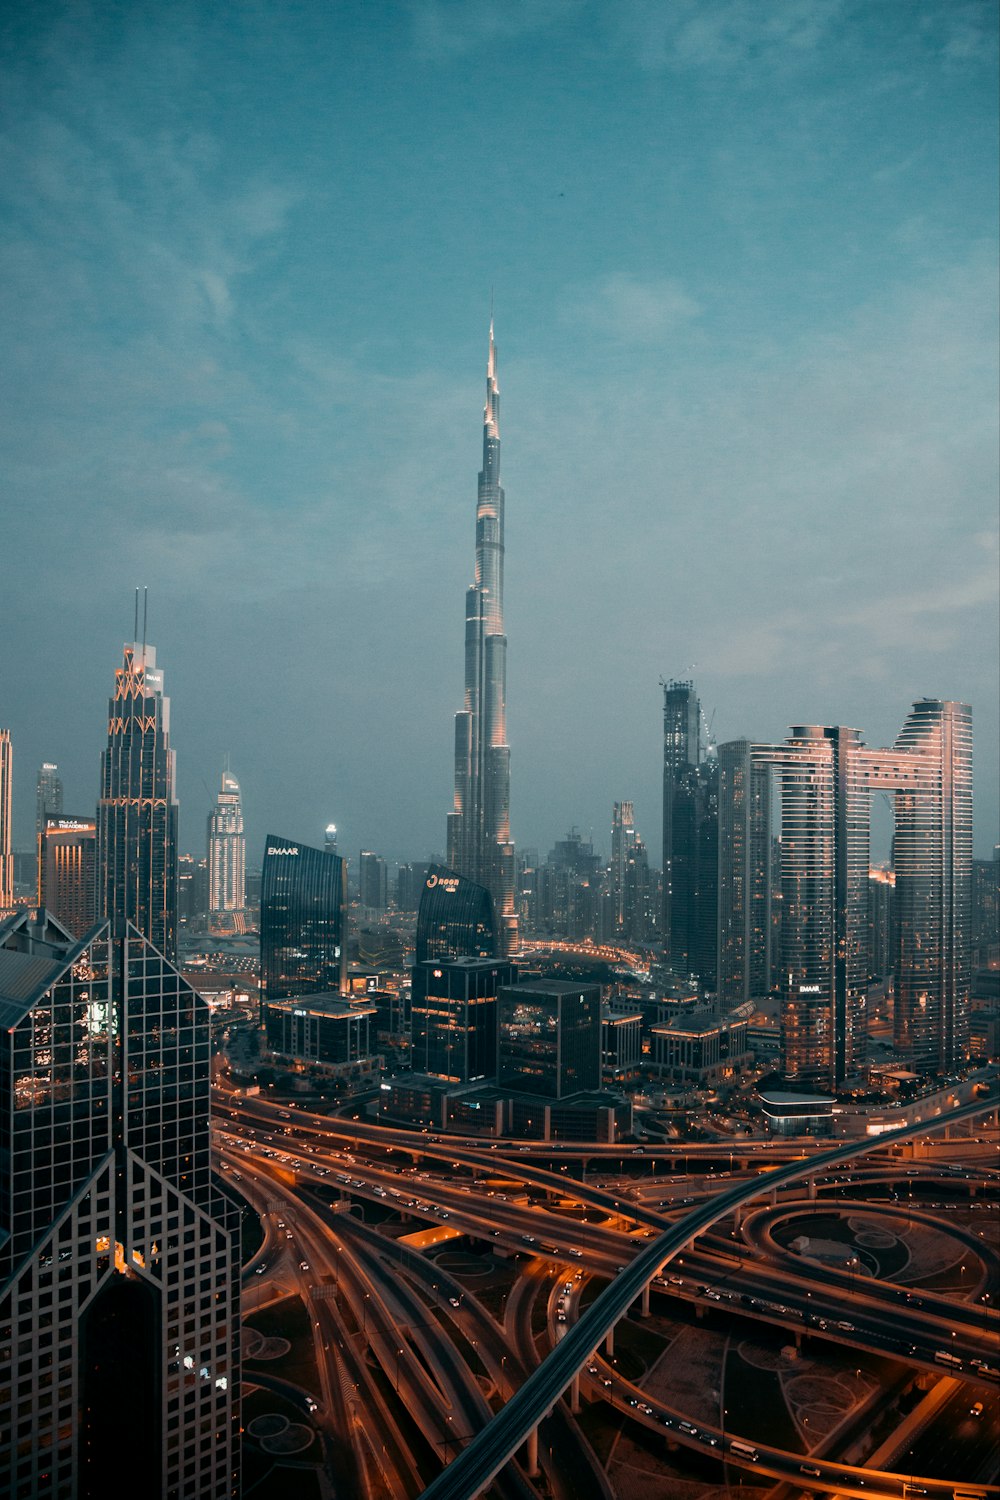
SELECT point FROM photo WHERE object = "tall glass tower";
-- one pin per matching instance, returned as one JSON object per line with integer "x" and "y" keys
{"x": 119, "y": 1250}
{"x": 137, "y": 811}
{"x": 227, "y": 859}
{"x": 303, "y": 921}
{"x": 479, "y": 842}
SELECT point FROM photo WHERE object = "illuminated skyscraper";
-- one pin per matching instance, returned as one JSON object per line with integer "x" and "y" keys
{"x": 137, "y": 811}
{"x": 6, "y": 854}
{"x": 119, "y": 1253}
{"x": 48, "y": 793}
{"x": 479, "y": 843}
{"x": 303, "y": 921}
{"x": 66, "y": 864}
{"x": 227, "y": 859}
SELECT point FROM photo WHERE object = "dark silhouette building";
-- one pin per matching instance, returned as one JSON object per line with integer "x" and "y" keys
{"x": 119, "y": 1254}
{"x": 454, "y": 1017}
{"x": 137, "y": 811}
{"x": 455, "y": 918}
{"x": 550, "y": 1038}
{"x": 303, "y": 921}
{"x": 690, "y": 839}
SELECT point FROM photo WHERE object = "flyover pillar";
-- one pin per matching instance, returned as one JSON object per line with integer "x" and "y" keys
{"x": 644, "y": 1304}
{"x": 609, "y": 1342}
{"x": 812, "y": 1189}
{"x": 574, "y": 1393}
{"x": 532, "y": 1446}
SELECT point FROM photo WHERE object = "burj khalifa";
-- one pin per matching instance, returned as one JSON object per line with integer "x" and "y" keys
{"x": 479, "y": 843}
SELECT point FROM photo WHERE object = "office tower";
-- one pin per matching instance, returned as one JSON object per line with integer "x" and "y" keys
{"x": 373, "y": 881}
{"x": 410, "y": 884}
{"x": 48, "y": 793}
{"x": 330, "y": 839}
{"x": 227, "y": 859}
{"x": 479, "y": 843}
{"x": 303, "y": 921}
{"x": 569, "y": 889}
{"x": 629, "y": 878}
{"x": 930, "y": 771}
{"x": 827, "y": 778}
{"x": 690, "y": 838}
{"x": 455, "y": 918}
{"x": 192, "y": 892}
{"x": 120, "y": 1257}
{"x": 744, "y": 941}
{"x": 454, "y": 1017}
{"x": 825, "y": 831}
{"x": 550, "y": 1038}
{"x": 6, "y": 856}
{"x": 67, "y": 860}
{"x": 137, "y": 811}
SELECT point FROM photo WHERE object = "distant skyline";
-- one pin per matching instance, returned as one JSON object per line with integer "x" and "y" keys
{"x": 745, "y": 273}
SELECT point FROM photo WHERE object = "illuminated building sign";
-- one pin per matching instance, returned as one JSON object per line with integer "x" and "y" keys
{"x": 283, "y": 851}
{"x": 442, "y": 882}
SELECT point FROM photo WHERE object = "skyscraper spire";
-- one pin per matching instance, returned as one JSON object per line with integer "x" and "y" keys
{"x": 479, "y": 843}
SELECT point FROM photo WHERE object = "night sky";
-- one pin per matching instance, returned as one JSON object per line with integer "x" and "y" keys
{"x": 744, "y": 265}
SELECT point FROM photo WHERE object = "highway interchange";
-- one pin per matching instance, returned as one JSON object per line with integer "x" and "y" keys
{"x": 415, "y": 1370}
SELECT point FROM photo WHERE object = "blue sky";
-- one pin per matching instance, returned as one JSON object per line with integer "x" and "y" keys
{"x": 745, "y": 271}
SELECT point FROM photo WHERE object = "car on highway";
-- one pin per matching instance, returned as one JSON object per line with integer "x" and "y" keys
{"x": 976, "y": 1409}
{"x": 303, "y": 1265}
{"x": 454, "y": 1301}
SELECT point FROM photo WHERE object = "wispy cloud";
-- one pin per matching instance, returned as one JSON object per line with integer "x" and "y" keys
{"x": 631, "y": 308}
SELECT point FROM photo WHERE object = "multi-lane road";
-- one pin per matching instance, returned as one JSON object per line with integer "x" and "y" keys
{"x": 442, "y": 1388}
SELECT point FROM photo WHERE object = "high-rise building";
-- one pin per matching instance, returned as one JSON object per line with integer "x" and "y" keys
{"x": 373, "y": 881}
{"x": 6, "y": 854}
{"x": 455, "y": 918}
{"x": 454, "y": 1017}
{"x": 629, "y": 878}
{"x": 227, "y": 859}
{"x": 67, "y": 849}
{"x": 690, "y": 838}
{"x": 137, "y": 811}
{"x": 120, "y": 1255}
{"x": 303, "y": 921}
{"x": 570, "y": 889}
{"x": 827, "y": 779}
{"x": 930, "y": 771}
{"x": 479, "y": 842}
{"x": 48, "y": 793}
{"x": 550, "y": 1038}
{"x": 744, "y": 944}
{"x": 330, "y": 838}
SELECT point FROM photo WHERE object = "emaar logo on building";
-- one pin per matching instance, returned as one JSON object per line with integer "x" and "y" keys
{"x": 289, "y": 850}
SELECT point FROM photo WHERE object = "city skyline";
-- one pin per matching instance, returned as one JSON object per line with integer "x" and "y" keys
{"x": 749, "y": 389}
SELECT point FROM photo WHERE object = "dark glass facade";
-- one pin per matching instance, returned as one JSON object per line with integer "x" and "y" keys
{"x": 303, "y": 921}
{"x": 690, "y": 839}
{"x": 454, "y": 1017}
{"x": 324, "y": 1029}
{"x": 455, "y": 918}
{"x": 137, "y": 811}
{"x": 550, "y": 1038}
{"x": 117, "y": 1244}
